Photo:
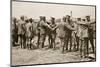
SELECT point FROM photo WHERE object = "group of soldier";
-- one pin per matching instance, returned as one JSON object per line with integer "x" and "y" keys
{"x": 71, "y": 33}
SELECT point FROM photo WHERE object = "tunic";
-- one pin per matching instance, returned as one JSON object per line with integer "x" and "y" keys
{"x": 20, "y": 27}
{"x": 63, "y": 29}
{"x": 82, "y": 31}
{"x": 28, "y": 30}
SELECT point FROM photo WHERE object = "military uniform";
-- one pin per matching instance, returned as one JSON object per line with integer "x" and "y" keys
{"x": 49, "y": 34}
{"x": 91, "y": 35}
{"x": 38, "y": 32}
{"x": 75, "y": 37}
{"x": 53, "y": 33}
{"x": 42, "y": 32}
{"x": 21, "y": 33}
{"x": 63, "y": 33}
{"x": 14, "y": 32}
{"x": 28, "y": 34}
{"x": 83, "y": 36}
{"x": 69, "y": 36}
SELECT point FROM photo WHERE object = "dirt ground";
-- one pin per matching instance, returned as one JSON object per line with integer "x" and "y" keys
{"x": 42, "y": 56}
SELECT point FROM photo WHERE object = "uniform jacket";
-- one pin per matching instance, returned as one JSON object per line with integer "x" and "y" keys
{"x": 29, "y": 29}
{"x": 63, "y": 29}
{"x": 43, "y": 27}
{"x": 82, "y": 31}
{"x": 21, "y": 29}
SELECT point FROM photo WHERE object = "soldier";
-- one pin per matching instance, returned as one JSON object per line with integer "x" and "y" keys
{"x": 69, "y": 38}
{"x": 42, "y": 29}
{"x": 53, "y": 32}
{"x": 38, "y": 31}
{"x": 83, "y": 36}
{"x": 77, "y": 35}
{"x": 29, "y": 30}
{"x": 63, "y": 32}
{"x": 21, "y": 32}
{"x": 90, "y": 32}
{"x": 14, "y": 32}
{"x": 48, "y": 33}
{"x": 34, "y": 27}
{"x": 74, "y": 37}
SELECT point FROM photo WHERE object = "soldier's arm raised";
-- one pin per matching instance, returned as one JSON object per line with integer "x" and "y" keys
{"x": 69, "y": 27}
{"x": 93, "y": 22}
{"x": 55, "y": 27}
{"x": 81, "y": 23}
{"x": 48, "y": 26}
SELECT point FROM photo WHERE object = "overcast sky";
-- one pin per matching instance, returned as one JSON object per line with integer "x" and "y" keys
{"x": 35, "y": 10}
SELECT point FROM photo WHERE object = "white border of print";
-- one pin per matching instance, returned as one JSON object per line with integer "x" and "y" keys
{"x": 5, "y": 33}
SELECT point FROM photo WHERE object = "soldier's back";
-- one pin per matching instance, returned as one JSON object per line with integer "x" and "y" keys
{"x": 62, "y": 31}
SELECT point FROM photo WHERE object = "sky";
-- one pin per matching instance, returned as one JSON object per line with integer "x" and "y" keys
{"x": 35, "y": 10}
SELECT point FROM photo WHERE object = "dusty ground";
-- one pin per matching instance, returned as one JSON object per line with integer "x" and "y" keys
{"x": 42, "y": 56}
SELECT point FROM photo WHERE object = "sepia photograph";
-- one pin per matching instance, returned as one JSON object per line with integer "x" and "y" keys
{"x": 52, "y": 33}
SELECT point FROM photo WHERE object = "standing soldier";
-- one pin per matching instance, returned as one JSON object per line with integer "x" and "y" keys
{"x": 38, "y": 31}
{"x": 21, "y": 32}
{"x": 74, "y": 37}
{"x": 48, "y": 32}
{"x": 77, "y": 35}
{"x": 83, "y": 36}
{"x": 34, "y": 27}
{"x": 34, "y": 33}
{"x": 53, "y": 32}
{"x": 69, "y": 38}
{"x": 90, "y": 32}
{"x": 28, "y": 33}
{"x": 63, "y": 32}
{"x": 14, "y": 32}
{"x": 43, "y": 26}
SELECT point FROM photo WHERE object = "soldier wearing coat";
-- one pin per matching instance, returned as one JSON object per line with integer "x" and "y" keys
{"x": 90, "y": 32}
{"x": 28, "y": 33}
{"x": 21, "y": 32}
{"x": 69, "y": 32}
{"x": 77, "y": 34}
{"x": 38, "y": 32}
{"x": 43, "y": 26}
{"x": 14, "y": 31}
{"x": 63, "y": 33}
{"x": 83, "y": 36}
{"x": 53, "y": 32}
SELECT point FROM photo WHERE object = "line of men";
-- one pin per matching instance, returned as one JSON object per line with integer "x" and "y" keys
{"x": 24, "y": 31}
{"x": 85, "y": 33}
